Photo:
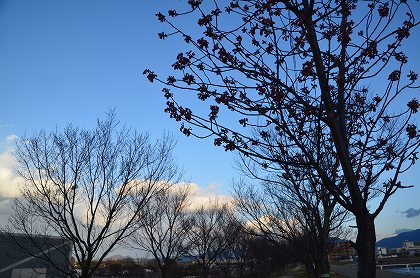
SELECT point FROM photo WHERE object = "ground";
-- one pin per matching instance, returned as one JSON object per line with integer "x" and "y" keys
{"x": 299, "y": 272}
{"x": 339, "y": 271}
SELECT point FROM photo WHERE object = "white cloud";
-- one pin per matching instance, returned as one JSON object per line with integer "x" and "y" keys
{"x": 11, "y": 138}
{"x": 8, "y": 179}
{"x": 380, "y": 236}
{"x": 205, "y": 195}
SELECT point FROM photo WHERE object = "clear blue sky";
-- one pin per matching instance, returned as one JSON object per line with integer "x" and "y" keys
{"x": 71, "y": 61}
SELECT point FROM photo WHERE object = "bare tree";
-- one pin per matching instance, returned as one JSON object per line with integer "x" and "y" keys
{"x": 314, "y": 213}
{"x": 88, "y": 187}
{"x": 162, "y": 226}
{"x": 237, "y": 260}
{"x": 296, "y": 76}
{"x": 269, "y": 258}
{"x": 210, "y": 234}
{"x": 300, "y": 223}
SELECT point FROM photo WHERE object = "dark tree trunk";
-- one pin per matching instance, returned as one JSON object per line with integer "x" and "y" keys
{"x": 85, "y": 273}
{"x": 323, "y": 263}
{"x": 205, "y": 271}
{"x": 310, "y": 269}
{"x": 365, "y": 246}
{"x": 322, "y": 266}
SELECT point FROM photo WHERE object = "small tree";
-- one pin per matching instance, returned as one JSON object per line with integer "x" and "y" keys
{"x": 210, "y": 235}
{"x": 296, "y": 77}
{"x": 88, "y": 186}
{"x": 162, "y": 226}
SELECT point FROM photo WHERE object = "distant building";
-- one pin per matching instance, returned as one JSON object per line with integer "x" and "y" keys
{"x": 341, "y": 250}
{"x": 22, "y": 256}
{"x": 381, "y": 252}
{"x": 394, "y": 252}
{"x": 411, "y": 247}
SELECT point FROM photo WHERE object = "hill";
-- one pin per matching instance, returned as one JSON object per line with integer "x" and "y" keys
{"x": 397, "y": 241}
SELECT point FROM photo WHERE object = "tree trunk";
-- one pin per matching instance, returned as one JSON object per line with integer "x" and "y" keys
{"x": 365, "y": 246}
{"x": 205, "y": 271}
{"x": 85, "y": 273}
{"x": 322, "y": 265}
{"x": 310, "y": 270}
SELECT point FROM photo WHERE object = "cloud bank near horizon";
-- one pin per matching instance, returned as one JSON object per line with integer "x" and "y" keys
{"x": 8, "y": 179}
{"x": 403, "y": 230}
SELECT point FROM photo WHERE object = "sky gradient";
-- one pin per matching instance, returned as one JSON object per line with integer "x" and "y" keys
{"x": 71, "y": 61}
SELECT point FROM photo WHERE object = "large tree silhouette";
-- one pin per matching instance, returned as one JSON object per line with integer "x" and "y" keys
{"x": 286, "y": 82}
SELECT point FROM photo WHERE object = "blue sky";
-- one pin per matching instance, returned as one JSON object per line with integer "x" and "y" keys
{"x": 71, "y": 61}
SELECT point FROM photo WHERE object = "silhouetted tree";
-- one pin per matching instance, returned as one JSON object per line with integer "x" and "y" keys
{"x": 284, "y": 78}
{"x": 268, "y": 257}
{"x": 237, "y": 260}
{"x": 211, "y": 234}
{"x": 162, "y": 226}
{"x": 301, "y": 224}
{"x": 88, "y": 186}
{"x": 310, "y": 217}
